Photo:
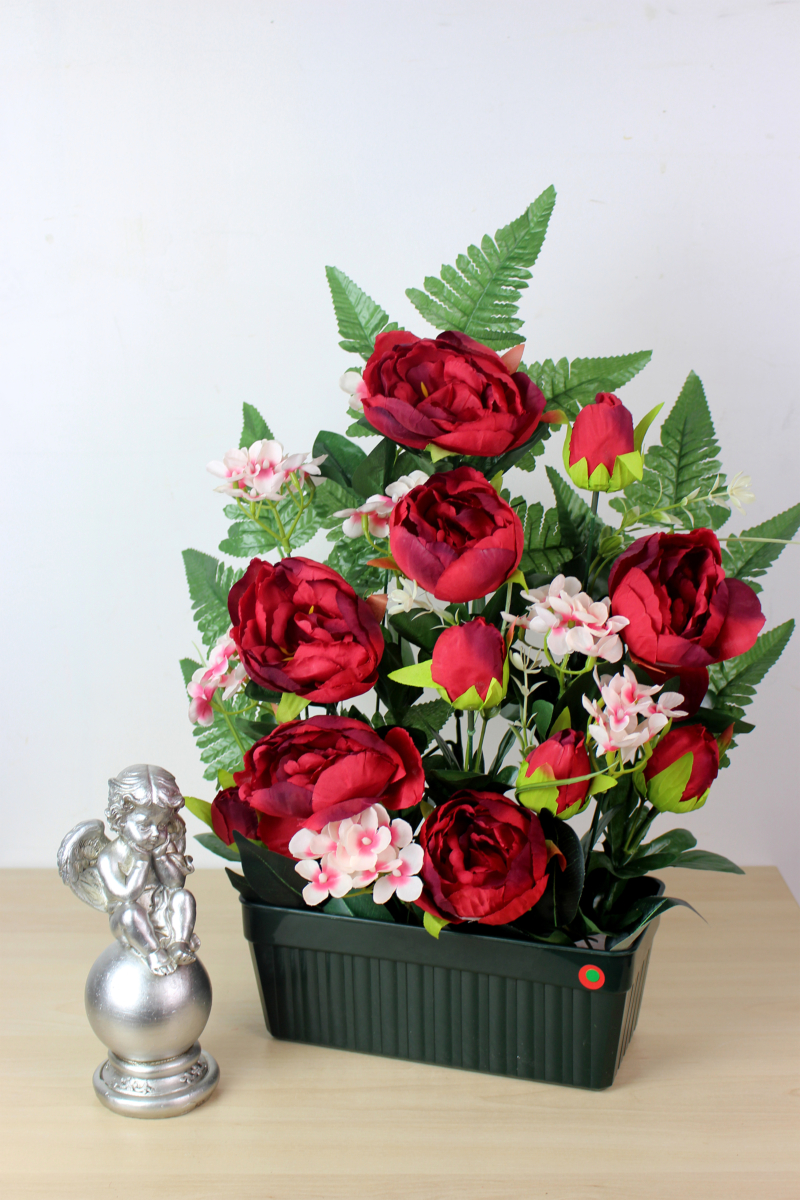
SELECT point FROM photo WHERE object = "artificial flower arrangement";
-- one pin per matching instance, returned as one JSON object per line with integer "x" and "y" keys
{"x": 607, "y": 658}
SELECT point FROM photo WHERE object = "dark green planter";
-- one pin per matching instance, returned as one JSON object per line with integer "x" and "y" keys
{"x": 479, "y": 1002}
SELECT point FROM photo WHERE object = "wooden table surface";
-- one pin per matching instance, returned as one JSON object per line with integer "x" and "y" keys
{"x": 705, "y": 1105}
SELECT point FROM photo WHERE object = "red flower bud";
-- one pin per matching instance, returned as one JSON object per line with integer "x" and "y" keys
{"x": 471, "y": 658}
{"x": 229, "y": 813}
{"x": 562, "y": 756}
{"x": 682, "y": 768}
{"x": 601, "y": 431}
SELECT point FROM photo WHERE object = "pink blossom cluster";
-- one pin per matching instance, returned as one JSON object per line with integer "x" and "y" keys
{"x": 569, "y": 620}
{"x": 356, "y": 852}
{"x": 206, "y": 681}
{"x": 623, "y": 701}
{"x": 261, "y": 471}
{"x": 377, "y": 509}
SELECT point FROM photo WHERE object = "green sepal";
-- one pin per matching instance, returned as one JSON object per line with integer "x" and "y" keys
{"x": 225, "y": 778}
{"x": 533, "y": 791}
{"x": 437, "y": 453}
{"x": 664, "y": 790}
{"x": 290, "y": 706}
{"x": 434, "y": 925}
{"x": 199, "y": 808}
{"x": 519, "y": 578}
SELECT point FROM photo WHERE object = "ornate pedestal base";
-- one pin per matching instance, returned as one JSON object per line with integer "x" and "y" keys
{"x": 156, "y": 1089}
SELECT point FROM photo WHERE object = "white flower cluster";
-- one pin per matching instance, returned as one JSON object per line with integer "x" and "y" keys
{"x": 356, "y": 852}
{"x": 569, "y": 620}
{"x": 261, "y": 471}
{"x": 206, "y": 681}
{"x": 623, "y": 701}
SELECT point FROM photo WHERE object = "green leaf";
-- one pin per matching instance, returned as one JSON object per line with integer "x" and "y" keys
{"x": 640, "y": 916}
{"x": 685, "y": 461}
{"x": 419, "y": 627}
{"x": 272, "y": 876}
{"x": 479, "y": 295}
{"x": 254, "y": 427}
{"x": 558, "y": 904}
{"x": 349, "y": 557}
{"x": 429, "y": 717}
{"x": 361, "y": 429}
{"x": 661, "y": 852}
{"x": 247, "y": 539}
{"x": 373, "y": 472}
{"x": 188, "y": 667}
{"x": 343, "y": 457}
{"x": 331, "y": 497}
{"x": 749, "y": 560}
{"x": 209, "y": 583}
{"x": 359, "y": 318}
{"x": 242, "y": 886}
{"x": 545, "y": 548}
{"x": 198, "y": 808}
{"x": 571, "y": 385}
{"x": 705, "y": 860}
{"x": 217, "y": 846}
{"x": 366, "y": 908}
{"x": 396, "y": 697}
{"x": 734, "y": 682}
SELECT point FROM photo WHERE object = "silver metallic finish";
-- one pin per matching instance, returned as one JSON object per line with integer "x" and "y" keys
{"x": 148, "y": 997}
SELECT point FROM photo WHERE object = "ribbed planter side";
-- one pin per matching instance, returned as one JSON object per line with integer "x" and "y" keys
{"x": 488, "y": 1004}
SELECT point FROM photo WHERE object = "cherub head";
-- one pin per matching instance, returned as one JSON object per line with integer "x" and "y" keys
{"x": 142, "y": 802}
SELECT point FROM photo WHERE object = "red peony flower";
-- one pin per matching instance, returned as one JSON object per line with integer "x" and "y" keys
{"x": 307, "y": 773}
{"x": 469, "y": 664}
{"x": 485, "y": 859}
{"x": 229, "y": 814}
{"x": 562, "y": 756}
{"x": 299, "y": 627}
{"x": 448, "y": 391}
{"x": 683, "y": 613}
{"x": 456, "y": 536}
{"x": 670, "y": 790}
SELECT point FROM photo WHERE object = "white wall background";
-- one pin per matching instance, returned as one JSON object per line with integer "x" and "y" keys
{"x": 175, "y": 176}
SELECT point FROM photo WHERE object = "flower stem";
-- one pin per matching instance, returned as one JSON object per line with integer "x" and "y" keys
{"x": 589, "y": 544}
{"x": 470, "y": 735}
{"x": 475, "y": 765}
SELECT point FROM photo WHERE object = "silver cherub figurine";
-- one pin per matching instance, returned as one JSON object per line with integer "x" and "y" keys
{"x": 147, "y": 996}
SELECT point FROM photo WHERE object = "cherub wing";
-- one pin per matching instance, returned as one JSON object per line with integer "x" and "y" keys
{"x": 77, "y": 856}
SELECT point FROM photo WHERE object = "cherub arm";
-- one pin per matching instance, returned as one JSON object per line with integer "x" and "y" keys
{"x": 110, "y": 866}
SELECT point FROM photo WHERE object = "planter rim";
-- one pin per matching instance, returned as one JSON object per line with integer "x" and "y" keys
{"x": 330, "y": 932}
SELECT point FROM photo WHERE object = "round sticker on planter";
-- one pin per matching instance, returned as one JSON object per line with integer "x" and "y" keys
{"x": 591, "y": 977}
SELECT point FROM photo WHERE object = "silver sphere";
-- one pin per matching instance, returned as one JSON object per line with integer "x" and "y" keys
{"x": 145, "y": 1017}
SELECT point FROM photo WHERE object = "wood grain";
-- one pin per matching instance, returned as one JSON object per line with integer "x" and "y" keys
{"x": 705, "y": 1104}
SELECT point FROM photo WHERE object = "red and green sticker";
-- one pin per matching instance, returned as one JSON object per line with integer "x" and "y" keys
{"x": 591, "y": 977}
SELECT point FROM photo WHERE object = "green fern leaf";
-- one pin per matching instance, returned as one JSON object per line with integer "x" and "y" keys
{"x": 359, "y": 318}
{"x": 209, "y": 583}
{"x": 685, "y": 461}
{"x": 749, "y": 560}
{"x": 571, "y": 385}
{"x": 479, "y": 295}
{"x": 574, "y": 514}
{"x": 734, "y": 682}
{"x": 545, "y": 550}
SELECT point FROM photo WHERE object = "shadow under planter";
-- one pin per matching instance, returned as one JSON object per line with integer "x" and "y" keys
{"x": 558, "y": 1014}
